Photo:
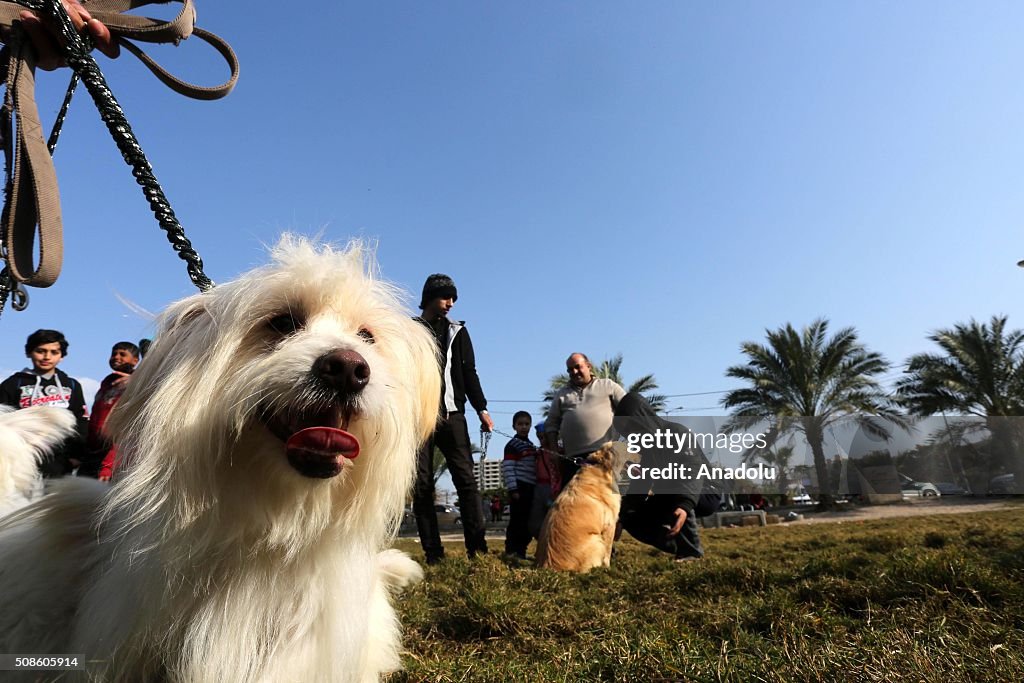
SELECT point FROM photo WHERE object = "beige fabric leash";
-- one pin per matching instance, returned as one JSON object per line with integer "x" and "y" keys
{"x": 35, "y": 199}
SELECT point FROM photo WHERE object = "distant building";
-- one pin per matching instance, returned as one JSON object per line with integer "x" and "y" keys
{"x": 488, "y": 475}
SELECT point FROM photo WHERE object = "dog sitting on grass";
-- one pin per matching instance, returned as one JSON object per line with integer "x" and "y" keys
{"x": 267, "y": 444}
{"x": 25, "y": 437}
{"x": 579, "y": 530}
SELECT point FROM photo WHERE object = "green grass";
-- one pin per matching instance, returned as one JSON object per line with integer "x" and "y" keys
{"x": 936, "y": 598}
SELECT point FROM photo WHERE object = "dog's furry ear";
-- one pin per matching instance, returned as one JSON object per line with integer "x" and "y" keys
{"x": 173, "y": 327}
{"x": 601, "y": 457}
{"x": 427, "y": 364}
{"x": 183, "y": 313}
{"x": 612, "y": 455}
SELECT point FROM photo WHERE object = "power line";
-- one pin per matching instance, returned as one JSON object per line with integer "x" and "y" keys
{"x": 887, "y": 378}
{"x": 540, "y": 400}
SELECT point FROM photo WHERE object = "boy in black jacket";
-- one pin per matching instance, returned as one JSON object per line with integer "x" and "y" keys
{"x": 44, "y": 385}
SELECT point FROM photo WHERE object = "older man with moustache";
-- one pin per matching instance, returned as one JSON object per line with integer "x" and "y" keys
{"x": 581, "y": 414}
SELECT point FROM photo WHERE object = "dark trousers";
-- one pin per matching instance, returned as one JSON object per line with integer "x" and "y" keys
{"x": 452, "y": 438}
{"x": 648, "y": 521}
{"x": 517, "y": 535}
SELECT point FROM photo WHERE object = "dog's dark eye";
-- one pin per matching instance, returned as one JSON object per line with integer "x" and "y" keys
{"x": 366, "y": 335}
{"x": 286, "y": 323}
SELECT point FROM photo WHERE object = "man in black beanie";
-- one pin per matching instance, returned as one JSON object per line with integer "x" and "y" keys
{"x": 459, "y": 382}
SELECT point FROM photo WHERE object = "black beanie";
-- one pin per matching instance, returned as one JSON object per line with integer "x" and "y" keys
{"x": 438, "y": 286}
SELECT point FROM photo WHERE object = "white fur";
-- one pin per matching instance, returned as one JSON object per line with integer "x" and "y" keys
{"x": 211, "y": 559}
{"x": 25, "y": 437}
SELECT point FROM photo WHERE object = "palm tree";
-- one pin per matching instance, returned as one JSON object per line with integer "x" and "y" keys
{"x": 807, "y": 382}
{"x": 611, "y": 368}
{"x": 980, "y": 372}
{"x": 776, "y": 456}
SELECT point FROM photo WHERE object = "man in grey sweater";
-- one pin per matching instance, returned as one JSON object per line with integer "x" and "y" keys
{"x": 581, "y": 414}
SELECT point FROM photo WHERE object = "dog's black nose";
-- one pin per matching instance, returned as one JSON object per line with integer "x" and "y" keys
{"x": 346, "y": 372}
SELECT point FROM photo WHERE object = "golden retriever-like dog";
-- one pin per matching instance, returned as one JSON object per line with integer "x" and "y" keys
{"x": 579, "y": 529}
{"x": 267, "y": 444}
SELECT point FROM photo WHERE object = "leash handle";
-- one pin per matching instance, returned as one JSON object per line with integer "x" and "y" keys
{"x": 31, "y": 193}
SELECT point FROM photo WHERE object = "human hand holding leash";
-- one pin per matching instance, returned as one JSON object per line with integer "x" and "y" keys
{"x": 46, "y": 38}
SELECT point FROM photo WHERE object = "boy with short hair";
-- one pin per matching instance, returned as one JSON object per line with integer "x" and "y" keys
{"x": 45, "y": 385}
{"x": 101, "y": 451}
{"x": 520, "y": 471}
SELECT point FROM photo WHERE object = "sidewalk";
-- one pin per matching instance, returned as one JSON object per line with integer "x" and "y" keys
{"x": 452, "y": 532}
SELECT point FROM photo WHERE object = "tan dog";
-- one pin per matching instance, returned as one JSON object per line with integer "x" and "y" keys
{"x": 579, "y": 529}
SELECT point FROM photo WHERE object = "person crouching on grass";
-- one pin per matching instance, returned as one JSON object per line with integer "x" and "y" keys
{"x": 520, "y": 471}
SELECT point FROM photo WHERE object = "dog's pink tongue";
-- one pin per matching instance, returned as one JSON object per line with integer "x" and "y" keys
{"x": 324, "y": 440}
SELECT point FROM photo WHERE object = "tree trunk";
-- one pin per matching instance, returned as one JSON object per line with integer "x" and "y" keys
{"x": 816, "y": 439}
{"x": 1007, "y": 452}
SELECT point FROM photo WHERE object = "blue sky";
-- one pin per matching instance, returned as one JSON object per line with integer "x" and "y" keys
{"x": 663, "y": 179}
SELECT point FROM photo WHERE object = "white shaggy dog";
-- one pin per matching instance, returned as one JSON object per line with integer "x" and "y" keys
{"x": 25, "y": 437}
{"x": 267, "y": 443}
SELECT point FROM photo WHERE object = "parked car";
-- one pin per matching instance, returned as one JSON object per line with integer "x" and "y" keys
{"x": 1003, "y": 485}
{"x": 918, "y": 489}
{"x": 447, "y": 515}
{"x": 948, "y": 488}
{"x": 801, "y": 497}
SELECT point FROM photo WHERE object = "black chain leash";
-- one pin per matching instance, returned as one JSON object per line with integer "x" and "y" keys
{"x": 58, "y": 123}
{"x": 76, "y": 53}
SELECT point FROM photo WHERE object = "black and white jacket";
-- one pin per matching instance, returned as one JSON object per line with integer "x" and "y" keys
{"x": 26, "y": 389}
{"x": 459, "y": 381}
